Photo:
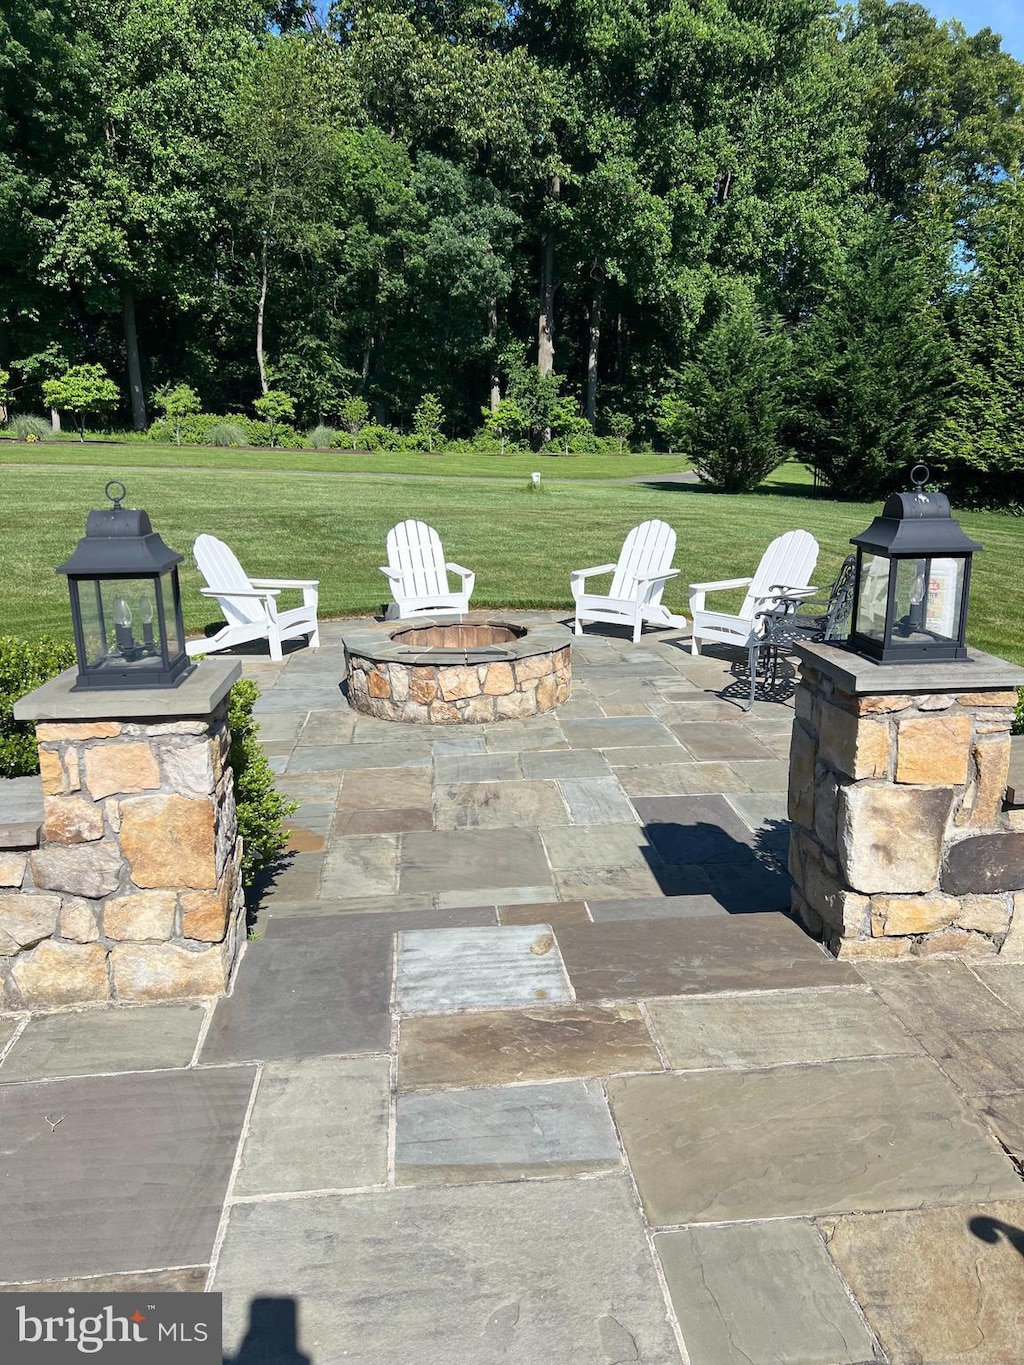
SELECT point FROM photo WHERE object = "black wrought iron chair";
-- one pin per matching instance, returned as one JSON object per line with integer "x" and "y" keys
{"x": 797, "y": 617}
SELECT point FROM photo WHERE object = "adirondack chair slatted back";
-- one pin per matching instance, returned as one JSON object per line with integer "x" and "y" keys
{"x": 649, "y": 549}
{"x": 788, "y": 560}
{"x": 414, "y": 549}
{"x": 221, "y": 569}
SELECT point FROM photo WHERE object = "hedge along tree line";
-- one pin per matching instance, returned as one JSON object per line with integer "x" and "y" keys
{"x": 410, "y": 200}
{"x": 262, "y": 810}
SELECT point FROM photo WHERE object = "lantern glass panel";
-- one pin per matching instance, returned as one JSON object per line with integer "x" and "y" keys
{"x": 94, "y": 631}
{"x": 131, "y": 642}
{"x": 929, "y": 596}
{"x": 873, "y": 596}
{"x": 167, "y": 585}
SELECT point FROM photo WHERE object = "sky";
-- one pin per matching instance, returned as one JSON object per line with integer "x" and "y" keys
{"x": 1003, "y": 16}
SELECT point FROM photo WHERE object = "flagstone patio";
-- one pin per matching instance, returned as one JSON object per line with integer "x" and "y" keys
{"x": 526, "y": 1063}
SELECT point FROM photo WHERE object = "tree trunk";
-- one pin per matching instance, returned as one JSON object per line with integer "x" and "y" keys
{"x": 492, "y": 333}
{"x": 261, "y": 309}
{"x": 592, "y": 354}
{"x": 54, "y": 420}
{"x": 131, "y": 342}
{"x": 545, "y": 319}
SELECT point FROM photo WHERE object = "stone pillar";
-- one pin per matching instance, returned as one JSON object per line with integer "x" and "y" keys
{"x": 900, "y": 845}
{"x": 134, "y": 892}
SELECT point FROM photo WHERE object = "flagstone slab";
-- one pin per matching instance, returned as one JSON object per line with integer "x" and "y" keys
{"x": 700, "y": 956}
{"x": 693, "y": 829}
{"x": 517, "y": 736}
{"x": 316, "y": 986}
{"x": 317, "y": 1124}
{"x": 655, "y": 907}
{"x": 453, "y": 1137}
{"x": 1004, "y": 1115}
{"x": 1006, "y": 980}
{"x": 712, "y": 740}
{"x": 761, "y": 1292}
{"x": 778, "y": 1028}
{"x": 763, "y": 774}
{"x": 637, "y": 879}
{"x": 477, "y": 768}
{"x": 329, "y": 728}
{"x": 981, "y": 1063}
{"x": 481, "y": 1273}
{"x": 296, "y": 878}
{"x": 939, "y": 1285}
{"x": 352, "y": 905}
{"x": 937, "y": 996}
{"x": 711, "y": 1147}
{"x": 595, "y": 801}
{"x": 83, "y": 1042}
{"x": 187, "y": 1280}
{"x": 8, "y": 1028}
{"x": 592, "y": 846}
{"x": 504, "y": 1047}
{"x": 558, "y": 763}
{"x": 618, "y": 733}
{"x": 384, "y": 789}
{"x": 492, "y": 896}
{"x": 398, "y": 821}
{"x": 680, "y": 779}
{"x": 486, "y": 968}
{"x": 645, "y": 756}
{"x": 343, "y": 757}
{"x": 100, "y": 1184}
{"x": 361, "y": 865}
{"x": 499, "y": 805}
{"x": 550, "y": 912}
{"x": 462, "y": 860}
{"x": 751, "y": 883}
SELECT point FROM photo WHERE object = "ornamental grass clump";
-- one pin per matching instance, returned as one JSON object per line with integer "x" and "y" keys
{"x": 28, "y": 427}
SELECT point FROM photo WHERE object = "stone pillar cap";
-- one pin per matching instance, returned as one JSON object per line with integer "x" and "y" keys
{"x": 858, "y": 676}
{"x": 198, "y": 695}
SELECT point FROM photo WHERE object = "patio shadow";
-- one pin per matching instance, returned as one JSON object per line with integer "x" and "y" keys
{"x": 991, "y": 1229}
{"x": 272, "y": 1338}
{"x": 745, "y": 876}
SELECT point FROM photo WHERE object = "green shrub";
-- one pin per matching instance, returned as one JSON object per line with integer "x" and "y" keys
{"x": 195, "y": 429}
{"x": 373, "y": 436}
{"x": 1018, "y": 715}
{"x": 262, "y": 810}
{"x": 226, "y": 434}
{"x": 323, "y": 438}
{"x": 25, "y": 665}
{"x": 28, "y": 427}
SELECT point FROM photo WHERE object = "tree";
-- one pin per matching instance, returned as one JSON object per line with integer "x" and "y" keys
{"x": 353, "y": 413}
{"x": 567, "y": 426}
{"x": 428, "y": 420}
{"x": 620, "y": 424}
{"x": 175, "y": 403}
{"x": 980, "y": 446}
{"x": 507, "y": 423}
{"x": 728, "y": 405}
{"x": 82, "y": 390}
{"x": 872, "y": 367}
{"x": 5, "y": 393}
{"x": 273, "y": 407}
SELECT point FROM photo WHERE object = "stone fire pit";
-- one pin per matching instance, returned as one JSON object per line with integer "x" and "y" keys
{"x": 457, "y": 670}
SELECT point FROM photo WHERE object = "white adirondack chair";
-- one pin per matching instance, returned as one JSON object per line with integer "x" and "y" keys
{"x": 787, "y": 563}
{"x": 249, "y": 605}
{"x": 418, "y": 573}
{"x": 638, "y": 582}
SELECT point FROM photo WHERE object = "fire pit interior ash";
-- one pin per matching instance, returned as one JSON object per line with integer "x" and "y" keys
{"x": 446, "y": 672}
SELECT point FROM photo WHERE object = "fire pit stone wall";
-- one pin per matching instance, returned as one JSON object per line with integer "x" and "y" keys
{"x": 457, "y": 671}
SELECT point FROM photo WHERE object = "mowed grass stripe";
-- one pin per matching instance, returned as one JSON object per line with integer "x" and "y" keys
{"x": 521, "y": 545}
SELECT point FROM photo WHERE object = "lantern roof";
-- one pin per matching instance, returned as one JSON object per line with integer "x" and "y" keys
{"x": 119, "y": 541}
{"x": 917, "y": 523}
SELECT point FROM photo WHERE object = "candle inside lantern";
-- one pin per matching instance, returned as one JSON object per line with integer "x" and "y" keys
{"x": 123, "y": 627}
{"x": 146, "y": 617}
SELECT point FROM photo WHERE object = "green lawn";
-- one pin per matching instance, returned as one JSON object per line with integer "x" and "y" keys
{"x": 521, "y": 545}
{"x": 156, "y": 455}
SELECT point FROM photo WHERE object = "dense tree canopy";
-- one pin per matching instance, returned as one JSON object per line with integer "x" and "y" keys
{"x": 800, "y": 216}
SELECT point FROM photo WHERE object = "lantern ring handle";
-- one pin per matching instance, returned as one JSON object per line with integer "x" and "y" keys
{"x": 919, "y": 476}
{"x": 115, "y": 498}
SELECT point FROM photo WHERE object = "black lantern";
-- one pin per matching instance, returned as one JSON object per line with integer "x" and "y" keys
{"x": 913, "y": 580}
{"x": 125, "y": 602}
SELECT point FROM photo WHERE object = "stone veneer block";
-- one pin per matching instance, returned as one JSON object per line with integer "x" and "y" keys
{"x": 890, "y": 838}
{"x": 933, "y": 750}
{"x": 760, "y": 1292}
{"x": 58, "y": 973}
{"x": 120, "y": 767}
{"x": 853, "y": 746}
{"x": 169, "y": 841}
{"x": 984, "y": 864}
{"x": 938, "y": 1285}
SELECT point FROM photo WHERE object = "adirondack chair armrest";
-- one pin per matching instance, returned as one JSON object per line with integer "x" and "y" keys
{"x": 698, "y": 590}
{"x": 239, "y": 592}
{"x": 464, "y": 573}
{"x": 658, "y": 577}
{"x": 598, "y": 568}
{"x": 394, "y": 575}
{"x": 285, "y": 582}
